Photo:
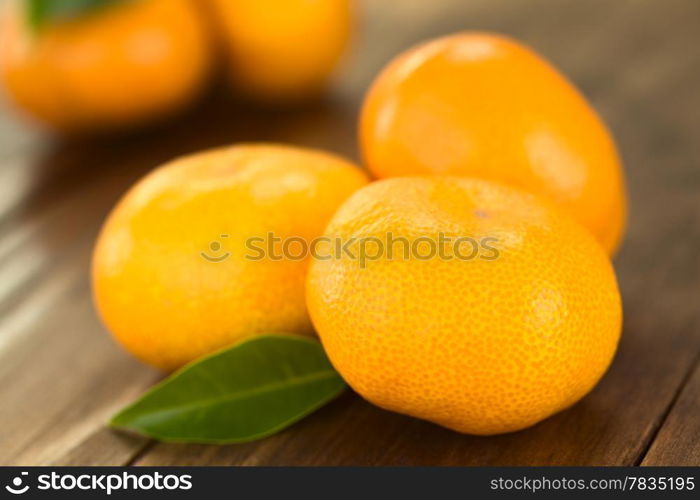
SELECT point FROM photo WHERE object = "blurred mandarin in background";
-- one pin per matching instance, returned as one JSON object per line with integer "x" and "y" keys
{"x": 110, "y": 63}
{"x": 483, "y": 105}
{"x": 281, "y": 49}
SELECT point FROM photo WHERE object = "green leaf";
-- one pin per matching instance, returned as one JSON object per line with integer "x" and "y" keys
{"x": 42, "y": 12}
{"x": 245, "y": 392}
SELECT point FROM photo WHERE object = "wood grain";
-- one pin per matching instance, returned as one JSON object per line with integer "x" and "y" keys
{"x": 61, "y": 376}
{"x": 677, "y": 442}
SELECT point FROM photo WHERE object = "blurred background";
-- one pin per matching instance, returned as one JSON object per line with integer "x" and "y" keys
{"x": 69, "y": 151}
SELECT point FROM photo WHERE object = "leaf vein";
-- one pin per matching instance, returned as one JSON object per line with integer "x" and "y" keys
{"x": 247, "y": 394}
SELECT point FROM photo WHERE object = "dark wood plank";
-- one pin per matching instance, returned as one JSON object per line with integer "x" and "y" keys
{"x": 60, "y": 376}
{"x": 101, "y": 448}
{"x": 678, "y": 441}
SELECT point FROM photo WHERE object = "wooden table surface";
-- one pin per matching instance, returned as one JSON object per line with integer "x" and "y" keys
{"x": 61, "y": 376}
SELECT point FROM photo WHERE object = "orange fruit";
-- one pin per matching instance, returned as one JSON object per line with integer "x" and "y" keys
{"x": 482, "y": 105}
{"x": 481, "y": 342}
{"x": 176, "y": 274}
{"x": 281, "y": 49}
{"x": 112, "y": 66}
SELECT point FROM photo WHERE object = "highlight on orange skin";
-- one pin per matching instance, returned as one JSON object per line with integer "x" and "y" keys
{"x": 483, "y": 105}
{"x": 126, "y": 63}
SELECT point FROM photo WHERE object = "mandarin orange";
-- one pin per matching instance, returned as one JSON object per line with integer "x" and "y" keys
{"x": 483, "y": 105}
{"x": 176, "y": 270}
{"x": 481, "y": 342}
{"x": 118, "y": 65}
{"x": 281, "y": 49}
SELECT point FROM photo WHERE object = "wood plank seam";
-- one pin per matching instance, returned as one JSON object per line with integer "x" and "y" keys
{"x": 664, "y": 417}
{"x": 140, "y": 452}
